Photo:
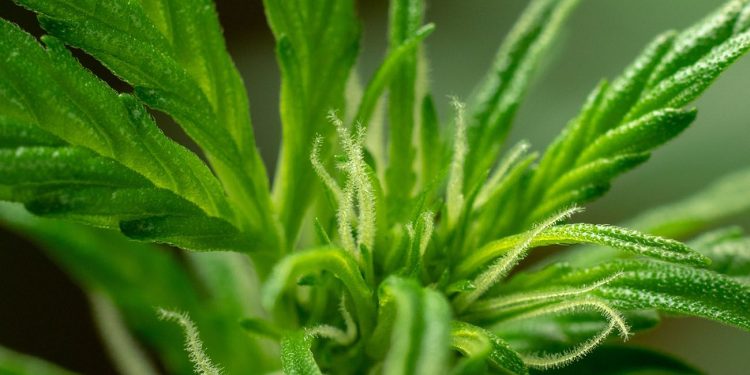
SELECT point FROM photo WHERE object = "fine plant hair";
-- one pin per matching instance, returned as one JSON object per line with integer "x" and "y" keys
{"x": 388, "y": 241}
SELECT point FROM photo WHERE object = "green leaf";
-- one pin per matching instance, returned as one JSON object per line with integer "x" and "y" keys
{"x": 597, "y": 172}
{"x": 625, "y": 360}
{"x": 107, "y": 163}
{"x": 619, "y": 238}
{"x": 13, "y": 363}
{"x": 640, "y": 109}
{"x": 699, "y": 39}
{"x": 627, "y": 88}
{"x": 728, "y": 251}
{"x": 670, "y": 288}
{"x": 473, "y": 341}
{"x": 413, "y": 328}
{"x": 560, "y": 332}
{"x": 296, "y": 356}
{"x": 641, "y": 135}
{"x": 334, "y": 260}
{"x": 173, "y": 53}
{"x": 496, "y": 101}
{"x": 193, "y": 233}
{"x": 406, "y": 17}
{"x": 386, "y": 71}
{"x": 74, "y": 105}
{"x": 317, "y": 43}
{"x": 725, "y": 198}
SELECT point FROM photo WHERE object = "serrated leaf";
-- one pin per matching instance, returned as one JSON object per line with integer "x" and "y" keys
{"x": 182, "y": 69}
{"x": 43, "y": 165}
{"x": 640, "y": 135}
{"x": 641, "y": 109}
{"x": 133, "y": 172}
{"x": 670, "y": 288}
{"x": 597, "y": 172}
{"x": 16, "y": 133}
{"x": 497, "y": 100}
{"x": 697, "y": 40}
{"x": 473, "y": 341}
{"x": 74, "y": 105}
{"x": 688, "y": 83}
{"x": 725, "y": 198}
{"x": 619, "y": 238}
{"x": 628, "y": 87}
{"x": 106, "y": 205}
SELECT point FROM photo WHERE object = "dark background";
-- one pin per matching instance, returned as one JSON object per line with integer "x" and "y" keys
{"x": 43, "y": 313}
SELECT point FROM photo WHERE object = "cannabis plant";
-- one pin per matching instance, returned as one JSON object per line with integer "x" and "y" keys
{"x": 389, "y": 241}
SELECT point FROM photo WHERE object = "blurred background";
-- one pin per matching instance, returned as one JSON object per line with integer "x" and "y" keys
{"x": 42, "y": 312}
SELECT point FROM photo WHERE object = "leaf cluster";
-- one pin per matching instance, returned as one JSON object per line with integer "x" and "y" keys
{"x": 389, "y": 241}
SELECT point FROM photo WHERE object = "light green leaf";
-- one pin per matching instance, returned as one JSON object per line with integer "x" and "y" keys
{"x": 670, "y": 288}
{"x": 619, "y": 238}
{"x": 698, "y": 40}
{"x": 729, "y": 252}
{"x": 641, "y": 135}
{"x": 640, "y": 109}
{"x": 473, "y": 341}
{"x": 406, "y": 17}
{"x": 725, "y": 198}
{"x": 334, "y": 260}
{"x": 597, "y": 172}
{"x": 296, "y": 356}
{"x": 627, "y": 88}
{"x": 317, "y": 43}
{"x": 560, "y": 332}
{"x": 496, "y": 101}
{"x": 413, "y": 329}
{"x": 193, "y": 233}
{"x": 386, "y": 71}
